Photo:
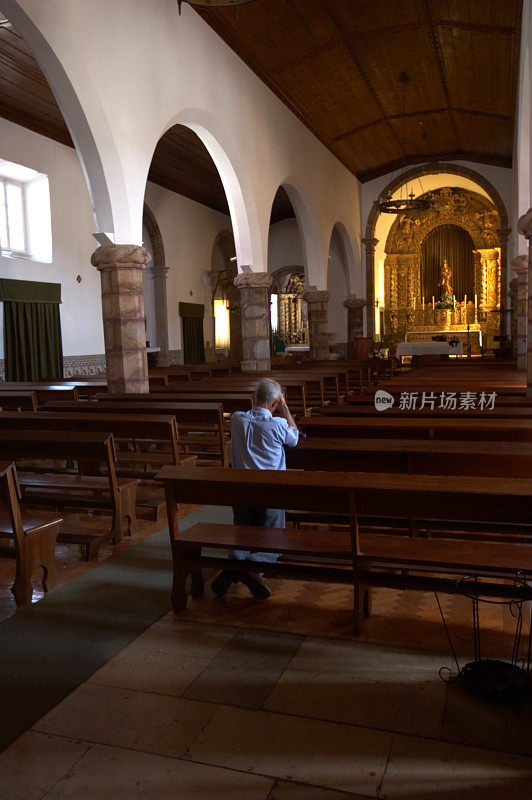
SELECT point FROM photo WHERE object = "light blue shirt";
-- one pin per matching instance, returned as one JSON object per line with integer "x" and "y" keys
{"x": 257, "y": 439}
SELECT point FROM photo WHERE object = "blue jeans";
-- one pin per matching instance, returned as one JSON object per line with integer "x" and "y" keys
{"x": 261, "y": 517}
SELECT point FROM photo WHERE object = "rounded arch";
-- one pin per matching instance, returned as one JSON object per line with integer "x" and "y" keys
{"x": 237, "y": 186}
{"x": 309, "y": 231}
{"x": 73, "y": 114}
{"x": 419, "y": 172}
{"x": 340, "y": 229}
{"x": 156, "y": 238}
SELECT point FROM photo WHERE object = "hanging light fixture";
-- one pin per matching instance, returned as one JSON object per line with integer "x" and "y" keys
{"x": 410, "y": 203}
{"x": 213, "y": 3}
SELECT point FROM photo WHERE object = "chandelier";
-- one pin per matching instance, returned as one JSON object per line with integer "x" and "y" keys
{"x": 410, "y": 203}
{"x": 213, "y": 3}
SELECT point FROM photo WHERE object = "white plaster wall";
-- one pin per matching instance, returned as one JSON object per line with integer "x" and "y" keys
{"x": 284, "y": 245}
{"x": 336, "y": 285}
{"x": 188, "y": 230}
{"x": 190, "y": 77}
{"x": 72, "y": 243}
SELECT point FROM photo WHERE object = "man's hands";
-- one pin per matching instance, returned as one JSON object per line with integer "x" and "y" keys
{"x": 282, "y": 409}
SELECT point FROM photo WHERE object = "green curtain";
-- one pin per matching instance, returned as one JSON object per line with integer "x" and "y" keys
{"x": 32, "y": 330}
{"x": 193, "y": 345}
{"x": 454, "y": 244}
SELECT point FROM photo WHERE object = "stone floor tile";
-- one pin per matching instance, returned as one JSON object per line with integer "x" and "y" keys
{"x": 473, "y": 720}
{"x": 369, "y": 685}
{"x": 34, "y": 763}
{"x": 246, "y": 670}
{"x": 150, "y": 671}
{"x": 125, "y": 718}
{"x": 325, "y": 754}
{"x": 286, "y": 790}
{"x": 427, "y": 770}
{"x": 170, "y": 635}
{"x": 108, "y": 773}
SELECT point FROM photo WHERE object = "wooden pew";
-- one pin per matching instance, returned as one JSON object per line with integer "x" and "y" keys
{"x": 231, "y": 401}
{"x": 43, "y": 391}
{"x": 433, "y": 427}
{"x": 200, "y": 426}
{"x": 18, "y": 401}
{"x": 138, "y": 434}
{"x": 293, "y": 389}
{"x": 34, "y": 536}
{"x": 351, "y": 557}
{"x": 421, "y": 457}
{"x": 88, "y": 489}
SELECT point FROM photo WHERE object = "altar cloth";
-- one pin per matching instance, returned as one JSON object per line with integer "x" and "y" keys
{"x": 428, "y": 349}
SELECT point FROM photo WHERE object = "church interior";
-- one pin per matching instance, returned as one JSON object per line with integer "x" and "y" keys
{"x": 196, "y": 195}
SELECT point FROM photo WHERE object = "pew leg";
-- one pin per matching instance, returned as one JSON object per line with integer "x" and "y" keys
{"x": 361, "y": 606}
{"x": 179, "y": 585}
{"x": 197, "y": 588}
{"x": 128, "y": 498}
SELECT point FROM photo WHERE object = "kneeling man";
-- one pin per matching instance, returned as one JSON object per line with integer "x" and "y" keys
{"x": 257, "y": 442}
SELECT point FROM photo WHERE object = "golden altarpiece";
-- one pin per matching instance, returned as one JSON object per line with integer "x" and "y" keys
{"x": 408, "y": 313}
{"x": 292, "y": 316}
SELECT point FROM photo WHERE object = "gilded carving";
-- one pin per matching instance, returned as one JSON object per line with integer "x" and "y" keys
{"x": 404, "y": 310}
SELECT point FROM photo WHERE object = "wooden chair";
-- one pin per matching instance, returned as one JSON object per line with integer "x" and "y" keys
{"x": 34, "y": 537}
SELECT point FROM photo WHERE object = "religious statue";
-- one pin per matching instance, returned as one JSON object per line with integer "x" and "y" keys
{"x": 446, "y": 275}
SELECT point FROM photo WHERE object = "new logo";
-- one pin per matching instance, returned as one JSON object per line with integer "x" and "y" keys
{"x": 383, "y": 400}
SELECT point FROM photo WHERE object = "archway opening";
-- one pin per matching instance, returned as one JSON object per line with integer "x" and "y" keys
{"x": 338, "y": 288}
{"x": 186, "y": 193}
{"x": 288, "y": 310}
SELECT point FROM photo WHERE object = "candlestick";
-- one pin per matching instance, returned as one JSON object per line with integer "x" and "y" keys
{"x": 465, "y": 302}
{"x": 433, "y": 302}
{"x": 475, "y": 301}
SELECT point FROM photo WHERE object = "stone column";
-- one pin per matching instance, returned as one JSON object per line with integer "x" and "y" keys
{"x": 520, "y": 267}
{"x": 161, "y": 312}
{"x": 370, "y": 245}
{"x": 355, "y": 322}
{"x": 524, "y": 227}
{"x": 512, "y": 294}
{"x": 317, "y": 323}
{"x": 120, "y": 267}
{"x": 255, "y": 304}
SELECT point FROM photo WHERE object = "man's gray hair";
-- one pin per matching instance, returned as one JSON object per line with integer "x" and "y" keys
{"x": 267, "y": 391}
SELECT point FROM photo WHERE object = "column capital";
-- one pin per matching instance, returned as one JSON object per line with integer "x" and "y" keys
{"x": 158, "y": 272}
{"x": 524, "y": 226}
{"x": 520, "y": 265}
{"x": 120, "y": 256}
{"x": 370, "y": 244}
{"x": 355, "y": 302}
{"x": 316, "y": 296}
{"x": 257, "y": 280}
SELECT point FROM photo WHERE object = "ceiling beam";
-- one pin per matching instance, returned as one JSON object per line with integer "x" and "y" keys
{"x": 431, "y": 20}
{"x": 428, "y": 112}
{"x": 422, "y": 158}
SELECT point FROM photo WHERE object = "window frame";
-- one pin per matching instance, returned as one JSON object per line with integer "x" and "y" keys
{"x": 9, "y": 251}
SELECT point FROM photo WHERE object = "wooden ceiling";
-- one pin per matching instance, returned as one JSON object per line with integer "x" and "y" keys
{"x": 336, "y": 64}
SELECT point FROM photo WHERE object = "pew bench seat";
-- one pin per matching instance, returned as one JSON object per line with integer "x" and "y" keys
{"x": 81, "y": 491}
{"x": 328, "y": 556}
{"x": 354, "y": 556}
